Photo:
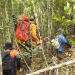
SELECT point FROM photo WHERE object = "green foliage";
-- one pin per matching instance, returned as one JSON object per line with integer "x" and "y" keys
{"x": 71, "y": 3}
{"x": 73, "y": 21}
{"x": 62, "y": 20}
{"x": 38, "y": 59}
{"x": 63, "y": 70}
{"x": 26, "y": 54}
{"x": 73, "y": 65}
{"x": 72, "y": 42}
{"x": 44, "y": 64}
{"x": 68, "y": 54}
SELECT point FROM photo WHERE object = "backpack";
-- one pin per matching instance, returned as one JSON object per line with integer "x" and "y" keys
{"x": 22, "y": 30}
{"x": 55, "y": 43}
{"x": 6, "y": 61}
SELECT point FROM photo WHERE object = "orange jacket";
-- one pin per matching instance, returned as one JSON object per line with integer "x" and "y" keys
{"x": 13, "y": 53}
{"x": 33, "y": 33}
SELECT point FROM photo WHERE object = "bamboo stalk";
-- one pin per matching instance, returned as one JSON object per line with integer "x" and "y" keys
{"x": 7, "y": 19}
{"x": 53, "y": 67}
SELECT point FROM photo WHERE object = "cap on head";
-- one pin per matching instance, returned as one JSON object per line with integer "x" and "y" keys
{"x": 60, "y": 31}
{"x": 32, "y": 18}
{"x": 8, "y": 45}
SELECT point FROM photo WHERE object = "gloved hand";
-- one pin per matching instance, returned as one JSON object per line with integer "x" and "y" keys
{"x": 72, "y": 46}
{"x": 41, "y": 41}
{"x": 38, "y": 43}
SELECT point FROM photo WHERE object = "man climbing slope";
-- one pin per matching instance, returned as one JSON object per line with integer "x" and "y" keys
{"x": 8, "y": 63}
{"x": 61, "y": 40}
{"x": 33, "y": 29}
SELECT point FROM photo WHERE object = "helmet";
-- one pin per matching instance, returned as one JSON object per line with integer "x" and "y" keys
{"x": 32, "y": 18}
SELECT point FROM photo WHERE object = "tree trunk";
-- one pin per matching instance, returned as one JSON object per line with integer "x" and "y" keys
{"x": 7, "y": 19}
{"x": 0, "y": 45}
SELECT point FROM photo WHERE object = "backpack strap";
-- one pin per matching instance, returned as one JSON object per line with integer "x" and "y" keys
{"x": 9, "y": 51}
{"x": 57, "y": 38}
{"x": 21, "y": 28}
{"x": 25, "y": 29}
{"x": 3, "y": 54}
{"x": 29, "y": 30}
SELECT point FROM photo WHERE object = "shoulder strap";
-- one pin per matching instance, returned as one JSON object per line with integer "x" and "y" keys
{"x": 22, "y": 26}
{"x": 3, "y": 54}
{"x": 57, "y": 36}
{"x": 9, "y": 51}
{"x": 29, "y": 30}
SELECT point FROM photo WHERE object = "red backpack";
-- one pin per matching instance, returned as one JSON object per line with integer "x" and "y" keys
{"x": 22, "y": 30}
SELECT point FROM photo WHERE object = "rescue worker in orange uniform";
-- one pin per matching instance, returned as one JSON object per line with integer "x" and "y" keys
{"x": 32, "y": 34}
{"x": 14, "y": 56}
{"x": 33, "y": 29}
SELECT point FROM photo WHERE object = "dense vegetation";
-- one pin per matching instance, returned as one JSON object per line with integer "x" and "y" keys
{"x": 50, "y": 15}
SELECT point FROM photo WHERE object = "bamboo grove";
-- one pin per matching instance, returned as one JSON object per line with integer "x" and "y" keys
{"x": 50, "y": 15}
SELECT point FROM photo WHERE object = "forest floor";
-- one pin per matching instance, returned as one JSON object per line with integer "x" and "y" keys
{"x": 38, "y": 63}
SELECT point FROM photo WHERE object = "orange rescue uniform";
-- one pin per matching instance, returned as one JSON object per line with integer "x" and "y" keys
{"x": 33, "y": 33}
{"x": 13, "y": 53}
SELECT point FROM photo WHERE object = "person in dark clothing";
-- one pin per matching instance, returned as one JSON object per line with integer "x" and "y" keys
{"x": 14, "y": 57}
{"x": 61, "y": 40}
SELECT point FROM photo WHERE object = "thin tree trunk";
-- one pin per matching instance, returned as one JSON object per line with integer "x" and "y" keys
{"x": 0, "y": 45}
{"x": 0, "y": 63}
{"x": 12, "y": 8}
{"x": 7, "y": 19}
{"x": 48, "y": 15}
{"x": 62, "y": 10}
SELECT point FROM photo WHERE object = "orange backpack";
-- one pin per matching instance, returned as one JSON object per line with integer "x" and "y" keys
{"x": 22, "y": 30}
